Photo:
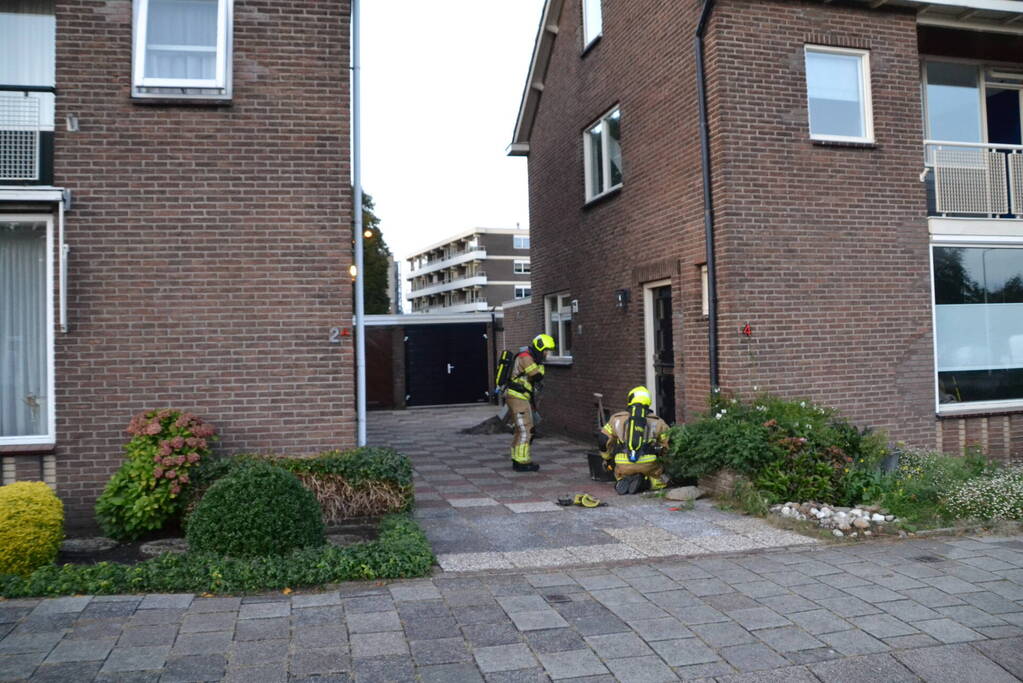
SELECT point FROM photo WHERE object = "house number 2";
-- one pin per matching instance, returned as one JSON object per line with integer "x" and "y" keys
{"x": 335, "y": 335}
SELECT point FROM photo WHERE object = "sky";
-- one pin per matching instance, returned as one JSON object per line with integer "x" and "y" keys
{"x": 441, "y": 86}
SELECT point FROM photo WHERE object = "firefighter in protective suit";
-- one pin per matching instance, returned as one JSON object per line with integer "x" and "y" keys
{"x": 520, "y": 396}
{"x": 634, "y": 438}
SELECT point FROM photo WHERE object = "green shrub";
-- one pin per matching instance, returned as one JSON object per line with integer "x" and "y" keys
{"x": 145, "y": 493}
{"x": 31, "y": 526}
{"x": 996, "y": 496}
{"x": 400, "y": 551}
{"x": 924, "y": 479}
{"x": 256, "y": 510}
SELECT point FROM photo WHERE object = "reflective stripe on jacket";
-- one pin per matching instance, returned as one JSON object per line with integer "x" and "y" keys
{"x": 524, "y": 374}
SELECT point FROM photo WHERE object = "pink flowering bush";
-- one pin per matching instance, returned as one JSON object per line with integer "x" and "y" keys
{"x": 146, "y": 492}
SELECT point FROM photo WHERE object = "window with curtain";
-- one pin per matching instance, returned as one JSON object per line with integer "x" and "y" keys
{"x": 182, "y": 44}
{"x": 27, "y": 49}
{"x": 25, "y": 401}
{"x": 978, "y": 315}
{"x": 838, "y": 94}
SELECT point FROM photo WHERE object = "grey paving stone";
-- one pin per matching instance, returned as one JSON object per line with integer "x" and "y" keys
{"x": 81, "y": 650}
{"x": 788, "y": 639}
{"x": 697, "y": 615}
{"x": 648, "y": 669}
{"x": 203, "y": 605}
{"x": 819, "y": 654}
{"x": 17, "y": 667}
{"x": 550, "y": 579}
{"x": 478, "y": 614}
{"x": 69, "y": 672}
{"x": 541, "y": 619}
{"x": 318, "y": 637}
{"x": 968, "y": 615}
{"x": 252, "y": 652}
{"x": 752, "y": 657}
{"x": 872, "y": 594}
{"x": 683, "y": 651}
{"x": 504, "y": 658}
{"x": 264, "y": 673}
{"x": 820, "y": 621}
{"x": 153, "y": 617}
{"x": 948, "y": 663}
{"x": 145, "y": 636}
{"x": 730, "y": 601}
{"x": 723, "y": 634}
{"x": 16, "y": 644}
{"x": 136, "y": 659}
{"x": 597, "y": 624}
{"x": 379, "y": 644}
{"x": 317, "y": 616}
{"x": 450, "y": 673}
{"x": 264, "y": 610}
{"x": 656, "y": 583}
{"x": 533, "y": 675}
{"x": 619, "y": 645}
{"x": 787, "y": 603}
{"x": 882, "y": 625}
{"x": 664, "y": 628}
{"x": 373, "y": 622}
{"x": 202, "y": 643}
{"x": 486, "y": 635}
{"x": 758, "y": 617}
{"x": 320, "y": 661}
{"x": 947, "y": 631}
{"x": 60, "y": 606}
{"x": 863, "y": 669}
{"x": 813, "y": 591}
{"x": 908, "y": 610}
{"x": 989, "y": 602}
{"x": 789, "y": 674}
{"x": 439, "y": 651}
{"x": 854, "y": 642}
{"x": 262, "y": 629}
{"x": 471, "y": 598}
{"x": 952, "y": 584}
{"x": 105, "y": 610}
{"x": 194, "y": 668}
{"x": 166, "y": 601}
{"x": 211, "y": 621}
{"x": 554, "y": 640}
{"x": 702, "y": 587}
{"x": 572, "y": 664}
{"x": 368, "y": 603}
{"x": 704, "y": 672}
{"x": 848, "y": 606}
{"x": 432, "y": 627}
{"x": 932, "y": 597}
{"x": 631, "y": 611}
{"x": 46, "y": 623}
{"x": 1007, "y": 653}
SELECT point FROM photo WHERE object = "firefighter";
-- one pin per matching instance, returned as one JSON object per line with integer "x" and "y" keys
{"x": 634, "y": 438}
{"x": 520, "y": 397}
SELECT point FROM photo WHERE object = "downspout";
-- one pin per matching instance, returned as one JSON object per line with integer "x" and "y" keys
{"x": 708, "y": 198}
{"x": 360, "y": 275}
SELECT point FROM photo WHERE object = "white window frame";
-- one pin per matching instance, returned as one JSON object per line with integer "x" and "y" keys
{"x": 143, "y": 87}
{"x": 589, "y": 36}
{"x": 975, "y": 242}
{"x": 552, "y": 306}
{"x": 520, "y": 241}
{"x": 50, "y": 438}
{"x": 605, "y": 128}
{"x": 866, "y": 100}
{"x": 520, "y": 291}
{"x": 521, "y": 267}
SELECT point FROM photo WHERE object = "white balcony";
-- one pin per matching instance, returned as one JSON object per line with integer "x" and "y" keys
{"x": 476, "y": 280}
{"x": 473, "y": 307}
{"x": 19, "y": 138}
{"x": 474, "y": 254}
{"x": 976, "y": 180}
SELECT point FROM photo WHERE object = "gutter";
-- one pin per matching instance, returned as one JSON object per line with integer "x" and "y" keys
{"x": 708, "y": 198}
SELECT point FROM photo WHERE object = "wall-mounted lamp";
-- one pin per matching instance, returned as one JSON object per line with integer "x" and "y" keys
{"x": 353, "y": 271}
{"x": 622, "y": 297}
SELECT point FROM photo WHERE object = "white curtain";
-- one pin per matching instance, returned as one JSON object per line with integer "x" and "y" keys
{"x": 979, "y": 336}
{"x": 181, "y": 38}
{"x": 24, "y": 400}
{"x": 27, "y": 40}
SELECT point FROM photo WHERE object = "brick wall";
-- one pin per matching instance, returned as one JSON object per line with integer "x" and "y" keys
{"x": 822, "y": 249}
{"x": 210, "y": 244}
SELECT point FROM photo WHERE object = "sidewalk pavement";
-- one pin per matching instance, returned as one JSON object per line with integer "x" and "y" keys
{"x": 479, "y": 514}
{"x": 921, "y": 609}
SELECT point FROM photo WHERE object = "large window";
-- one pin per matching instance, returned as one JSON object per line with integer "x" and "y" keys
{"x": 182, "y": 48}
{"x": 26, "y": 331}
{"x": 520, "y": 241}
{"x": 602, "y": 155}
{"x": 593, "y": 22}
{"x": 978, "y": 316}
{"x": 838, "y": 94}
{"x": 559, "y": 323}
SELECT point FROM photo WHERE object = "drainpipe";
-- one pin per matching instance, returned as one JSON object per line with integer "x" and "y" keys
{"x": 708, "y": 199}
{"x": 360, "y": 275}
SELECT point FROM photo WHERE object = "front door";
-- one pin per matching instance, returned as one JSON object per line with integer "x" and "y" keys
{"x": 445, "y": 364}
{"x": 660, "y": 350}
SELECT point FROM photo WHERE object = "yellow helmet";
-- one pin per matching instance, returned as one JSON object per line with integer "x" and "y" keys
{"x": 640, "y": 395}
{"x": 543, "y": 342}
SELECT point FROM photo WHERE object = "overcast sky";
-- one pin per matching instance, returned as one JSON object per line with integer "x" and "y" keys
{"x": 441, "y": 85}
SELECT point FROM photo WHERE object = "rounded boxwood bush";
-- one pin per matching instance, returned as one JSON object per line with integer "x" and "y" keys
{"x": 256, "y": 510}
{"x": 31, "y": 527}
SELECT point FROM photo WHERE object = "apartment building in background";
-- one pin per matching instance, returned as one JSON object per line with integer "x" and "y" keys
{"x": 476, "y": 270}
{"x": 175, "y": 229}
{"x": 864, "y": 209}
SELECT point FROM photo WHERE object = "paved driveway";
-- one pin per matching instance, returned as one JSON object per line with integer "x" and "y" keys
{"x": 480, "y": 514}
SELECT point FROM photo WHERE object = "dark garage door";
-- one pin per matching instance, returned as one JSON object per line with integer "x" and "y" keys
{"x": 445, "y": 364}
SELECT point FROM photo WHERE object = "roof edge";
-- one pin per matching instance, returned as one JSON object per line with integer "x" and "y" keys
{"x": 546, "y": 32}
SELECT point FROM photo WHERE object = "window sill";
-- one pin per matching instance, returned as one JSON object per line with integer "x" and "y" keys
{"x": 559, "y": 361}
{"x": 603, "y": 196}
{"x": 182, "y": 100}
{"x": 27, "y": 448}
{"x": 980, "y": 411}
{"x": 590, "y": 45}
{"x": 843, "y": 143}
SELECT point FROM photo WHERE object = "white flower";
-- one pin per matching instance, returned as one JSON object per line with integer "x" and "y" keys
{"x": 802, "y": 404}
{"x": 718, "y": 416}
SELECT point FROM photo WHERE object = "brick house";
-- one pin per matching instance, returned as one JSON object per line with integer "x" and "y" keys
{"x": 865, "y": 196}
{"x": 175, "y": 229}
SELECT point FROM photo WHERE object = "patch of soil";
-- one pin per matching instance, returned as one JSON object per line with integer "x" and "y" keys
{"x": 358, "y": 530}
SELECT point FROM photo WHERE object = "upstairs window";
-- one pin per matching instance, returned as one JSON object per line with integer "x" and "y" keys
{"x": 520, "y": 241}
{"x": 602, "y": 155}
{"x": 182, "y": 48}
{"x": 521, "y": 267}
{"x": 838, "y": 94}
{"x": 593, "y": 23}
{"x": 522, "y": 292}
{"x": 559, "y": 323}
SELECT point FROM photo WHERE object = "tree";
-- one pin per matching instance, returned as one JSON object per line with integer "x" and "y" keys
{"x": 376, "y": 259}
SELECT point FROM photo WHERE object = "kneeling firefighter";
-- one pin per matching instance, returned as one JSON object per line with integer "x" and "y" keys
{"x": 634, "y": 438}
{"x": 520, "y": 397}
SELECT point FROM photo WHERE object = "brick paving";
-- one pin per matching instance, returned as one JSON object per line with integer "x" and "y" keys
{"x": 479, "y": 514}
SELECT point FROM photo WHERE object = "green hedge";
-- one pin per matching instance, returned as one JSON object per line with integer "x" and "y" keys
{"x": 401, "y": 551}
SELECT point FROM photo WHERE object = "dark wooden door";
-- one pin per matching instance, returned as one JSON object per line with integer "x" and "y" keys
{"x": 664, "y": 354}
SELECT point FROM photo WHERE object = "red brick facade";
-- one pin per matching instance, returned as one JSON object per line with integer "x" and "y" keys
{"x": 210, "y": 245}
{"x": 823, "y": 249}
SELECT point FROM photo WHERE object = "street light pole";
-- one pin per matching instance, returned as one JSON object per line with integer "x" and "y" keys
{"x": 360, "y": 327}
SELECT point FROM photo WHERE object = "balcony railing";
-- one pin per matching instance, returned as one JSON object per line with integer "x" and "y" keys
{"x": 975, "y": 179}
{"x": 19, "y": 138}
{"x": 471, "y": 254}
